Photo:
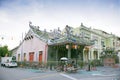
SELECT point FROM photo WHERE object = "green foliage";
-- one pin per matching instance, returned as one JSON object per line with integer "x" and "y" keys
{"x": 52, "y": 62}
{"x": 81, "y": 64}
{"x": 4, "y": 51}
{"x": 116, "y": 59}
{"x": 96, "y": 62}
{"x": 14, "y": 58}
{"x": 109, "y": 53}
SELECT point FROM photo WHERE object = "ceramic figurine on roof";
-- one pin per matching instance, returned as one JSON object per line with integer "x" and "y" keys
{"x": 30, "y": 23}
{"x": 68, "y": 31}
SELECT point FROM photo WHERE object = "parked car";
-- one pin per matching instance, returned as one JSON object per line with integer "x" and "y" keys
{"x": 8, "y": 62}
{"x": 11, "y": 64}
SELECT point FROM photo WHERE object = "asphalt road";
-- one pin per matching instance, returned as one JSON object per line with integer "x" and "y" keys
{"x": 30, "y": 74}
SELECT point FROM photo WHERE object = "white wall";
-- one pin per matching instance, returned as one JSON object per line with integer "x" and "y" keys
{"x": 32, "y": 45}
{"x": 119, "y": 56}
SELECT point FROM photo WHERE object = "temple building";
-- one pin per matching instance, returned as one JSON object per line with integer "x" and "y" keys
{"x": 81, "y": 43}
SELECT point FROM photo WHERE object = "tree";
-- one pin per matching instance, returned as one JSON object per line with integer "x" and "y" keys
{"x": 4, "y": 51}
{"x": 109, "y": 53}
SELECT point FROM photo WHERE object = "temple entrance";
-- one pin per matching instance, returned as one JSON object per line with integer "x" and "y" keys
{"x": 66, "y": 45}
{"x": 58, "y": 51}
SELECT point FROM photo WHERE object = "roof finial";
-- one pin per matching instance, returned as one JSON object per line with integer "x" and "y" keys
{"x": 58, "y": 28}
{"x": 68, "y": 31}
{"x": 81, "y": 24}
{"x": 30, "y": 23}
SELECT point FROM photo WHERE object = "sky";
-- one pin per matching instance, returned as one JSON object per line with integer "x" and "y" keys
{"x": 51, "y": 14}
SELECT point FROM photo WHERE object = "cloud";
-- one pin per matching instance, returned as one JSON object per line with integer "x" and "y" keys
{"x": 15, "y": 15}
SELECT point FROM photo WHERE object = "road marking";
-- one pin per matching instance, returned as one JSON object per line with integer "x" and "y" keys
{"x": 96, "y": 74}
{"x": 72, "y": 78}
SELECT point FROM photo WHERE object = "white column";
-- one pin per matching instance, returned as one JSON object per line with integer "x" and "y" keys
{"x": 89, "y": 54}
{"x": 98, "y": 54}
{"x": 36, "y": 56}
{"x": 119, "y": 56}
{"x": 92, "y": 57}
{"x": 27, "y": 56}
{"x": 69, "y": 52}
{"x": 99, "y": 47}
{"x": 83, "y": 55}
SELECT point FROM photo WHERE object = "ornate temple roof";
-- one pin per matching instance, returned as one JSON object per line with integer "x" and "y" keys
{"x": 56, "y": 36}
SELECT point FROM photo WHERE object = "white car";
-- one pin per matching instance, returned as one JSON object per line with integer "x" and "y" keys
{"x": 11, "y": 64}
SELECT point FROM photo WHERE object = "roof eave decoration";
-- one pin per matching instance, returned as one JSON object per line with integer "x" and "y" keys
{"x": 42, "y": 35}
{"x": 69, "y": 38}
{"x": 56, "y": 37}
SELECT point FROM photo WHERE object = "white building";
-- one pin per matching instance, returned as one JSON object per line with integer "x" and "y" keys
{"x": 85, "y": 43}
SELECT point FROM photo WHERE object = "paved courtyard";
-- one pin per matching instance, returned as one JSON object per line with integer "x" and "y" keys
{"x": 102, "y": 73}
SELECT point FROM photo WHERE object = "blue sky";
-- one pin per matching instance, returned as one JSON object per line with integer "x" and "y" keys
{"x": 50, "y": 14}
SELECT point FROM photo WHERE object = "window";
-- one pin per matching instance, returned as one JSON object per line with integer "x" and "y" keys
{"x": 24, "y": 56}
{"x": 102, "y": 43}
{"x": 18, "y": 57}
